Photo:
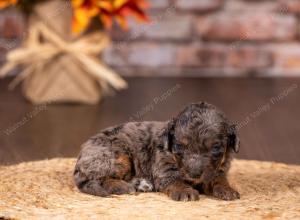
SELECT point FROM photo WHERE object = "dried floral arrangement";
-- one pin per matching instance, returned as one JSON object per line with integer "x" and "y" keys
{"x": 85, "y": 10}
{"x": 58, "y": 53}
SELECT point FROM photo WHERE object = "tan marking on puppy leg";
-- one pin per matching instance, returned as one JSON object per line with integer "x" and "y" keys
{"x": 223, "y": 161}
{"x": 123, "y": 167}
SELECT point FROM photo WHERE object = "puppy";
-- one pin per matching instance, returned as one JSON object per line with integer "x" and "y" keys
{"x": 182, "y": 157}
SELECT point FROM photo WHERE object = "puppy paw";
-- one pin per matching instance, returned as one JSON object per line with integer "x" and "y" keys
{"x": 142, "y": 185}
{"x": 225, "y": 193}
{"x": 182, "y": 193}
{"x": 188, "y": 194}
{"x": 118, "y": 187}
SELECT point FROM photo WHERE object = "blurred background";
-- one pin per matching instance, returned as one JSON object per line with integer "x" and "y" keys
{"x": 240, "y": 55}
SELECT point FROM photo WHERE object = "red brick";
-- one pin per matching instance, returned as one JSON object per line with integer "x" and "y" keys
{"x": 11, "y": 28}
{"x": 201, "y": 55}
{"x": 292, "y": 6}
{"x": 159, "y": 4}
{"x": 245, "y": 27}
{"x": 11, "y": 24}
{"x": 249, "y": 57}
{"x": 286, "y": 56}
{"x": 151, "y": 55}
{"x": 116, "y": 54}
{"x": 165, "y": 26}
{"x": 254, "y": 6}
{"x": 199, "y": 5}
{"x": 221, "y": 55}
{"x": 140, "y": 55}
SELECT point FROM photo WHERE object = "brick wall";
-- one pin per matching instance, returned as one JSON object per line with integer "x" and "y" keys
{"x": 199, "y": 37}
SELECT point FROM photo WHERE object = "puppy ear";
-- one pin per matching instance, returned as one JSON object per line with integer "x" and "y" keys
{"x": 233, "y": 140}
{"x": 168, "y": 135}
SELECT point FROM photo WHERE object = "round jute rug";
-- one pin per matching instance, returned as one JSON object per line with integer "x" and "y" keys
{"x": 45, "y": 190}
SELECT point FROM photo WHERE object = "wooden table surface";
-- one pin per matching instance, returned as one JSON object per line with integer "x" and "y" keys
{"x": 267, "y": 111}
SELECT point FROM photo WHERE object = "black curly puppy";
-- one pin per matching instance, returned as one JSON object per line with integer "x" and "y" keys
{"x": 184, "y": 156}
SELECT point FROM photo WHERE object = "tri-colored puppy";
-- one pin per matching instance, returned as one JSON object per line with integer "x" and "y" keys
{"x": 182, "y": 157}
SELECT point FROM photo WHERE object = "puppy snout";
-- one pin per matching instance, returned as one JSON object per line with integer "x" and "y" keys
{"x": 194, "y": 165}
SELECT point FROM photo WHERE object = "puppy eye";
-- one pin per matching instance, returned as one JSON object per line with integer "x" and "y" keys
{"x": 217, "y": 148}
{"x": 177, "y": 148}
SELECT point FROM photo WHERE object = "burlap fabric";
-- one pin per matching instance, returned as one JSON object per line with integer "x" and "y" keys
{"x": 57, "y": 67}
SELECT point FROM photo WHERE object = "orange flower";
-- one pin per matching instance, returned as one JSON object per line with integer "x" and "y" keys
{"x": 126, "y": 8}
{"x": 85, "y": 10}
{"x": 106, "y": 10}
{"x": 6, "y": 3}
